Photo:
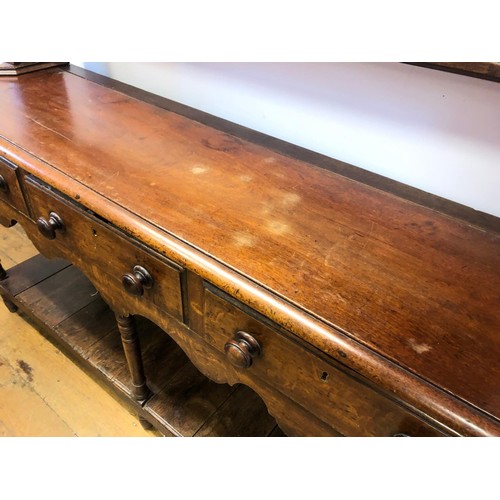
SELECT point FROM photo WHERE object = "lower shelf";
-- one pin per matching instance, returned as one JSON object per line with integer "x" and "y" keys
{"x": 62, "y": 303}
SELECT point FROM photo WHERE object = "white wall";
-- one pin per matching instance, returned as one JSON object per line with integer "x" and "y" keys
{"x": 437, "y": 131}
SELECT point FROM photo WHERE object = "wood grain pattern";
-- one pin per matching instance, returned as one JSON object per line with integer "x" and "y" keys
{"x": 189, "y": 400}
{"x": 185, "y": 400}
{"x": 102, "y": 250}
{"x": 409, "y": 193}
{"x": 22, "y": 411}
{"x": 382, "y": 285}
{"x": 46, "y": 391}
{"x": 345, "y": 404}
{"x": 58, "y": 297}
{"x": 10, "y": 190}
{"x": 243, "y": 409}
{"x": 34, "y": 273}
{"x": 132, "y": 349}
{"x": 42, "y": 392}
{"x": 389, "y": 376}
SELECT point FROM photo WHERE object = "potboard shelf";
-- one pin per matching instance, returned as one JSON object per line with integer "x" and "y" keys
{"x": 63, "y": 304}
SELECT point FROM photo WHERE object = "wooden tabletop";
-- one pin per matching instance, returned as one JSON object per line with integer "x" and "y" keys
{"x": 418, "y": 287}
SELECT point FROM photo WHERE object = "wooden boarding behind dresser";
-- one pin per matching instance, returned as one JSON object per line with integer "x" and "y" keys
{"x": 352, "y": 305}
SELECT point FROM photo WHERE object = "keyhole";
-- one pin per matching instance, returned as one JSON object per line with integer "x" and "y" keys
{"x": 324, "y": 376}
{"x": 94, "y": 232}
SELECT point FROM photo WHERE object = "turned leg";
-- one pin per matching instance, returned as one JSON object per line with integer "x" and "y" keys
{"x": 10, "y": 305}
{"x": 146, "y": 425}
{"x": 132, "y": 348}
{"x": 3, "y": 272}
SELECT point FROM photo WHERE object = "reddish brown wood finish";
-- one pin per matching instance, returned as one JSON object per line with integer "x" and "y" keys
{"x": 132, "y": 349}
{"x": 103, "y": 251}
{"x": 183, "y": 400}
{"x": 10, "y": 191}
{"x": 341, "y": 401}
{"x": 403, "y": 295}
{"x": 8, "y": 215}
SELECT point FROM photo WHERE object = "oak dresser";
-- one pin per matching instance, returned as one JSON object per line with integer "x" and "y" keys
{"x": 350, "y": 304}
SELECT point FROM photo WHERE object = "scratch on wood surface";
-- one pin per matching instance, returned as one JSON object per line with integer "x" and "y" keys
{"x": 372, "y": 227}
{"x": 366, "y": 237}
{"x": 108, "y": 178}
{"x": 48, "y": 128}
{"x": 328, "y": 257}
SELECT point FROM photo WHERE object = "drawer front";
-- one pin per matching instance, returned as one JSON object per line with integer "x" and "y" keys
{"x": 10, "y": 191}
{"x": 106, "y": 254}
{"x": 338, "y": 399}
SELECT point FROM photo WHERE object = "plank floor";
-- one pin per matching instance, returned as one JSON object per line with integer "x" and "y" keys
{"x": 63, "y": 304}
{"x": 42, "y": 392}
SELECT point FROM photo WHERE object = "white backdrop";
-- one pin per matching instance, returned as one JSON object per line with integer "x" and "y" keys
{"x": 436, "y": 131}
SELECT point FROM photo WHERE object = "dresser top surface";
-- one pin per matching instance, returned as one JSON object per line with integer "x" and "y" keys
{"x": 418, "y": 287}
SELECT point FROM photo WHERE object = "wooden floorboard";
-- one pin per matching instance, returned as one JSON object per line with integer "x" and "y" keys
{"x": 65, "y": 306}
{"x": 42, "y": 392}
{"x": 23, "y": 411}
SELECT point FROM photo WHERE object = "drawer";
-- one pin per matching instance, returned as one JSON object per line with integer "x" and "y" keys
{"x": 101, "y": 251}
{"x": 10, "y": 190}
{"x": 340, "y": 400}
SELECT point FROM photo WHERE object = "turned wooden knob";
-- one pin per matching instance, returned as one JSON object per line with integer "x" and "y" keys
{"x": 242, "y": 349}
{"x": 3, "y": 184}
{"x": 136, "y": 281}
{"x": 49, "y": 227}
